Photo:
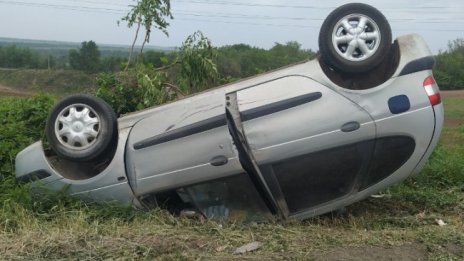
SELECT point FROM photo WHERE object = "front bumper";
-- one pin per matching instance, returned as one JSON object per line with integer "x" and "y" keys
{"x": 32, "y": 165}
{"x": 109, "y": 185}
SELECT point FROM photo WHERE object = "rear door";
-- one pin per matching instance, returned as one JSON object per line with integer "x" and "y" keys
{"x": 310, "y": 144}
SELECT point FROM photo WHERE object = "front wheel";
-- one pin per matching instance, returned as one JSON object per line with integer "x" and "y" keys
{"x": 81, "y": 128}
{"x": 354, "y": 38}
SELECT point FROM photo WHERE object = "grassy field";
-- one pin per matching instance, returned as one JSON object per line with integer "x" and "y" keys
{"x": 401, "y": 225}
{"x": 57, "y": 82}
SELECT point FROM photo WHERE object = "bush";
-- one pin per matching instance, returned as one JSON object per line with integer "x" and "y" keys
{"x": 22, "y": 122}
{"x": 135, "y": 89}
{"x": 449, "y": 71}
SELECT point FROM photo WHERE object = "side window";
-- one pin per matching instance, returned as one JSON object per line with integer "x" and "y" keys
{"x": 310, "y": 180}
{"x": 389, "y": 155}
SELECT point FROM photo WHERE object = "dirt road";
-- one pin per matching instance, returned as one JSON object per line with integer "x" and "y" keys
{"x": 8, "y": 91}
{"x": 452, "y": 94}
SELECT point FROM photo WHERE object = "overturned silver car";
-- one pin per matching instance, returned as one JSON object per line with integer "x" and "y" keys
{"x": 297, "y": 142}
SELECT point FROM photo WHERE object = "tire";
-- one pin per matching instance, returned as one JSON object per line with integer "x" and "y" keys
{"x": 81, "y": 128}
{"x": 347, "y": 47}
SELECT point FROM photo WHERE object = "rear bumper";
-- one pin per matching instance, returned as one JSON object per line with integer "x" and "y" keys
{"x": 439, "y": 114}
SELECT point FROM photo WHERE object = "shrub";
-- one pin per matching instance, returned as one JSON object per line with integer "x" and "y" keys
{"x": 22, "y": 122}
{"x": 135, "y": 89}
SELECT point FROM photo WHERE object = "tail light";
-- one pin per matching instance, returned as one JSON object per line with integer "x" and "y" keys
{"x": 432, "y": 90}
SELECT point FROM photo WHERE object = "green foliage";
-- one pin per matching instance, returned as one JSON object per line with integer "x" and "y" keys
{"x": 87, "y": 58}
{"x": 58, "y": 82}
{"x": 241, "y": 60}
{"x": 449, "y": 69}
{"x": 144, "y": 86}
{"x": 22, "y": 122}
{"x": 159, "y": 58}
{"x": 198, "y": 70}
{"x": 149, "y": 14}
{"x": 14, "y": 57}
{"x": 137, "y": 88}
{"x": 111, "y": 63}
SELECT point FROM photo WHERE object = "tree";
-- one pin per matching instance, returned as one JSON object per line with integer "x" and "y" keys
{"x": 240, "y": 60}
{"x": 149, "y": 14}
{"x": 16, "y": 57}
{"x": 196, "y": 57}
{"x": 142, "y": 86}
{"x": 87, "y": 58}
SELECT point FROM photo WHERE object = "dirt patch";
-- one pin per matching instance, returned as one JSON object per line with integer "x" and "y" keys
{"x": 454, "y": 122}
{"x": 8, "y": 91}
{"x": 454, "y": 249}
{"x": 405, "y": 252}
{"x": 452, "y": 94}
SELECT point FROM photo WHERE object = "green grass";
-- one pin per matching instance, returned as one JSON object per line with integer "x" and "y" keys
{"x": 454, "y": 107}
{"x": 403, "y": 222}
{"x": 453, "y": 132}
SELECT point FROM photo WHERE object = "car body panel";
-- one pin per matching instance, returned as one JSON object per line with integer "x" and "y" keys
{"x": 36, "y": 161}
{"x": 176, "y": 147}
{"x": 111, "y": 184}
{"x": 304, "y": 128}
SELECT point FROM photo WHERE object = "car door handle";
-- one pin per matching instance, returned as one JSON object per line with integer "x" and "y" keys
{"x": 218, "y": 161}
{"x": 350, "y": 126}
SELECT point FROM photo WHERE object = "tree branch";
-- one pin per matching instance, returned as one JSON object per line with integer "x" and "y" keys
{"x": 167, "y": 66}
{"x": 132, "y": 47}
{"x": 178, "y": 91}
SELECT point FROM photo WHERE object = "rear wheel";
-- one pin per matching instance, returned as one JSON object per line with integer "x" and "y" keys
{"x": 81, "y": 128}
{"x": 354, "y": 38}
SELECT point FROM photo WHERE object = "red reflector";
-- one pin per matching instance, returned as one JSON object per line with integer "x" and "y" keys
{"x": 431, "y": 88}
{"x": 429, "y": 81}
{"x": 435, "y": 99}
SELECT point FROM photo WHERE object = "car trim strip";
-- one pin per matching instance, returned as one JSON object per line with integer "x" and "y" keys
{"x": 279, "y": 106}
{"x": 198, "y": 127}
{"x": 33, "y": 176}
{"x": 421, "y": 64}
{"x": 220, "y": 120}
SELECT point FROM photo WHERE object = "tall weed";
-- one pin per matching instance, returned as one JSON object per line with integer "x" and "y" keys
{"x": 22, "y": 122}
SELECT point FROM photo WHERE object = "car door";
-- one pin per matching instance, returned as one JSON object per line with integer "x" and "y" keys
{"x": 182, "y": 143}
{"x": 310, "y": 145}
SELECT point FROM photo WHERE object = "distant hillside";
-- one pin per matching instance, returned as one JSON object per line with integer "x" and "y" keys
{"x": 56, "y": 82}
{"x": 57, "y": 48}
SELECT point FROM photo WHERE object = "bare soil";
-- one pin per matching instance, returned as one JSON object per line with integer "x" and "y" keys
{"x": 389, "y": 253}
{"x": 452, "y": 94}
{"x": 8, "y": 91}
{"x": 454, "y": 122}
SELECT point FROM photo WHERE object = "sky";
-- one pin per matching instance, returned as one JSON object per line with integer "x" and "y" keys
{"x": 260, "y": 23}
